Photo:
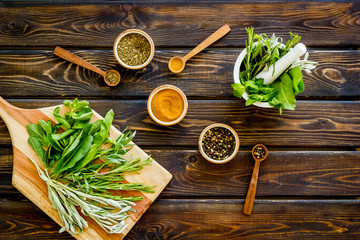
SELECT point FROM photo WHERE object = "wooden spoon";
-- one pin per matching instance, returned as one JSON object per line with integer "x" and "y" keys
{"x": 177, "y": 64}
{"x": 60, "y": 52}
{"x": 249, "y": 202}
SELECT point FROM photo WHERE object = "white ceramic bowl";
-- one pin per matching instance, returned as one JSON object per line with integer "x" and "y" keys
{"x": 237, "y": 143}
{"x": 130, "y": 31}
{"x": 237, "y": 79}
{"x": 158, "y": 89}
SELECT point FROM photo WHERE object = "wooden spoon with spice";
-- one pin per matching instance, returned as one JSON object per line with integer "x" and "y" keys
{"x": 111, "y": 77}
{"x": 177, "y": 64}
{"x": 259, "y": 153}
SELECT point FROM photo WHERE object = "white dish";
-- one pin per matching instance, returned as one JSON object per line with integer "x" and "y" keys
{"x": 237, "y": 80}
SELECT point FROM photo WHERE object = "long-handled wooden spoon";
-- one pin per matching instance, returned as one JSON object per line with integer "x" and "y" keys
{"x": 177, "y": 64}
{"x": 60, "y": 52}
{"x": 249, "y": 202}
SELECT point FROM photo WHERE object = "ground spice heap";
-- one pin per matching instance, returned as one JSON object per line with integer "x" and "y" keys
{"x": 259, "y": 152}
{"x": 134, "y": 49}
{"x": 167, "y": 105}
{"x": 176, "y": 64}
{"x": 218, "y": 143}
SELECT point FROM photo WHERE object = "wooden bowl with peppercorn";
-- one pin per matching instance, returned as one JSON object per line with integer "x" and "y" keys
{"x": 134, "y": 49}
{"x": 218, "y": 143}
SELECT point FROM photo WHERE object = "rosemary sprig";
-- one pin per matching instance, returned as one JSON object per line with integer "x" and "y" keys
{"x": 74, "y": 181}
{"x": 99, "y": 207}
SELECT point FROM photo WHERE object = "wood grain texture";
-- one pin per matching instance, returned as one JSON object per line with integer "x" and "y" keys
{"x": 208, "y": 219}
{"x": 293, "y": 173}
{"x": 312, "y": 124}
{"x": 38, "y": 73}
{"x": 335, "y": 23}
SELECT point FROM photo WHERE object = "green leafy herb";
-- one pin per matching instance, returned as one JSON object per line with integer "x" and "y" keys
{"x": 73, "y": 179}
{"x": 298, "y": 84}
{"x": 285, "y": 94}
{"x": 262, "y": 52}
{"x": 36, "y": 145}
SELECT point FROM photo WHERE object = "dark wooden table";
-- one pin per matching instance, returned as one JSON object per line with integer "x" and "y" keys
{"x": 309, "y": 186}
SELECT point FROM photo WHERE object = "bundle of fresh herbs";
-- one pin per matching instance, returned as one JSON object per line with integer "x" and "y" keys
{"x": 260, "y": 55}
{"x": 74, "y": 179}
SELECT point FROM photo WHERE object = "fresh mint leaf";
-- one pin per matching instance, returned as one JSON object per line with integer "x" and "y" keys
{"x": 238, "y": 89}
{"x": 46, "y": 126}
{"x": 36, "y": 132}
{"x": 285, "y": 92}
{"x": 62, "y": 135}
{"x": 65, "y": 124}
{"x": 36, "y": 145}
{"x": 298, "y": 84}
{"x": 82, "y": 150}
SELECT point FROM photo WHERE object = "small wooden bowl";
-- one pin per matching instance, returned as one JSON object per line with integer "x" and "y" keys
{"x": 237, "y": 143}
{"x": 158, "y": 89}
{"x": 123, "y": 34}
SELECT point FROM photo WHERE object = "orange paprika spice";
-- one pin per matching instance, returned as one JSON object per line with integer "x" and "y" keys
{"x": 176, "y": 64}
{"x": 167, "y": 105}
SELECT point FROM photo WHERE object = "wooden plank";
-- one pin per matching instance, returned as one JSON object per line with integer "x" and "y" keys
{"x": 294, "y": 173}
{"x": 177, "y": 24}
{"x": 209, "y": 219}
{"x": 312, "y": 124}
{"x": 39, "y": 73}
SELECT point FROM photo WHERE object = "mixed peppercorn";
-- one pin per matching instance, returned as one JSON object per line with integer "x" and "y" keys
{"x": 218, "y": 143}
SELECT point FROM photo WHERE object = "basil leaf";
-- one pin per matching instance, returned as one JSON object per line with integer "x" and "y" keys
{"x": 102, "y": 134}
{"x": 298, "y": 84}
{"x": 67, "y": 103}
{"x": 238, "y": 89}
{"x": 83, "y": 114}
{"x": 62, "y": 135}
{"x": 88, "y": 158}
{"x": 54, "y": 142}
{"x": 82, "y": 150}
{"x": 82, "y": 104}
{"x": 36, "y": 145}
{"x": 95, "y": 127}
{"x": 99, "y": 138}
{"x": 71, "y": 149}
{"x": 285, "y": 91}
{"x": 46, "y": 126}
{"x": 65, "y": 124}
{"x": 67, "y": 153}
{"x": 35, "y": 131}
{"x": 56, "y": 127}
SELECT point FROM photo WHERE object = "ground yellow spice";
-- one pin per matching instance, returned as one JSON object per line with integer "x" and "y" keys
{"x": 176, "y": 64}
{"x": 167, "y": 105}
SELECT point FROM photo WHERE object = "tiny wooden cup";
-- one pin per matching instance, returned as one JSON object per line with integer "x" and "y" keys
{"x": 237, "y": 143}
{"x": 123, "y": 34}
{"x": 158, "y": 89}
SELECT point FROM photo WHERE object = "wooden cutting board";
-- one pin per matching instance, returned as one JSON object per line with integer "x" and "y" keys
{"x": 26, "y": 179}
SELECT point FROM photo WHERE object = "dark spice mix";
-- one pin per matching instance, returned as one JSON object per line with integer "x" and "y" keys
{"x": 218, "y": 143}
{"x": 134, "y": 49}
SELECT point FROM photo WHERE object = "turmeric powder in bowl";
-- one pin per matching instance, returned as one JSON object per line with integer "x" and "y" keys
{"x": 167, "y": 105}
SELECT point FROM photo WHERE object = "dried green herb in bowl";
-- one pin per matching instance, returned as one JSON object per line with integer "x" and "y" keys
{"x": 134, "y": 49}
{"x": 112, "y": 77}
{"x": 218, "y": 143}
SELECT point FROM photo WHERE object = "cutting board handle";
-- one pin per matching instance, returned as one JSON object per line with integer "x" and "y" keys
{"x": 4, "y": 106}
